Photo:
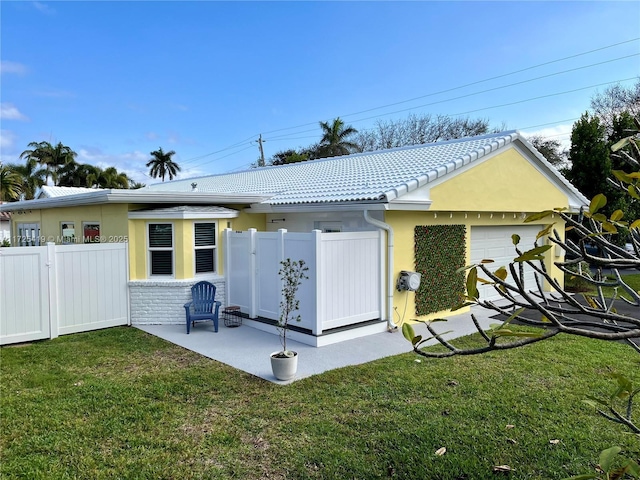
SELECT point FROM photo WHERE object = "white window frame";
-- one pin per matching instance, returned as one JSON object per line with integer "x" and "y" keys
{"x": 84, "y": 237}
{"x": 63, "y": 237}
{"x": 28, "y": 234}
{"x": 213, "y": 247}
{"x": 158, "y": 249}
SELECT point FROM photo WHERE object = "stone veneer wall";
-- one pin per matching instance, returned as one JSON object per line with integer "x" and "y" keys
{"x": 161, "y": 302}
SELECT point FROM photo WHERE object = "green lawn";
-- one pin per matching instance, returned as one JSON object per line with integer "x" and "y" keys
{"x": 633, "y": 280}
{"x": 119, "y": 403}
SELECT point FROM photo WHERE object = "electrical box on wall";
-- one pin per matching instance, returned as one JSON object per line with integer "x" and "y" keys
{"x": 408, "y": 281}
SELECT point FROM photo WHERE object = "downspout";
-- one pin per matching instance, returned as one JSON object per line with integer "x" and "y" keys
{"x": 384, "y": 226}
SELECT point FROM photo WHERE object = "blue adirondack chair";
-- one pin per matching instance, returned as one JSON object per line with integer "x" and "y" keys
{"x": 203, "y": 305}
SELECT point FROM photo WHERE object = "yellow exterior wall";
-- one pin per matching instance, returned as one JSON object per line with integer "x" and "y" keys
{"x": 245, "y": 221}
{"x": 504, "y": 183}
{"x": 403, "y": 224}
{"x": 137, "y": 249}
{"x": 112, "y": 219}
{"x": 183, "y": 232}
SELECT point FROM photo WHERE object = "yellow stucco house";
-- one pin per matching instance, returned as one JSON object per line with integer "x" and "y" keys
{"x": 431, "y": 206}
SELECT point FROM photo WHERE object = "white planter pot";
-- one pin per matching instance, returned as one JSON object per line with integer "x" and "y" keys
{"x": 284, "y": 368}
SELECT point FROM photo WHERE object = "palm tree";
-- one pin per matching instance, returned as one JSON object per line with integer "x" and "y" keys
{"x": 10, "y": 184}
{"x": 76, "y": 175}
{"x": 111, "y": 178}
{"x": 161, "y": 164}
{"x": 31, "y": 177}
{"x": 334, "y": 140}
{"x": 50, "y": 156}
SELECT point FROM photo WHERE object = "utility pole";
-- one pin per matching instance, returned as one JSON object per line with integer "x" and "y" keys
{"x": 261, "y": 161}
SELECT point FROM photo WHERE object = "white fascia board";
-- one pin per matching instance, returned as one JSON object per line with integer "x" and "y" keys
{"x": 417, "y": 205}
{"x": 137, "y": 215}
{"x": 316, "y": 207}
{"x": 133, "y": 196}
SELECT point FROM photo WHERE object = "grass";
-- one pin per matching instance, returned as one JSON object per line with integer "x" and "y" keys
{"x": 119, "y": 403}
{"x": 633, "y": 280}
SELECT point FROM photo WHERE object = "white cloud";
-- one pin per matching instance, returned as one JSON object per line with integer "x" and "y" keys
{"x": 7, "y": 143}
{"x": 7, "y": 139}
{"x": 131, "y": 163}
{"x": 10, "y": 112}
{"x": 43, "y": 8}
{"x": 12, "y": 67}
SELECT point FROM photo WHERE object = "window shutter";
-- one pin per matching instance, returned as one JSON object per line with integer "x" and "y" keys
{"x": 204, "y": 261}
{"x": 162, "y": 262}
{"x": 160, "y": 235}
{"x": 205, "y": 234}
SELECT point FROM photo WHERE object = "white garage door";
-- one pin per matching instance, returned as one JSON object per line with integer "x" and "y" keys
{"x": 495, "y": 243}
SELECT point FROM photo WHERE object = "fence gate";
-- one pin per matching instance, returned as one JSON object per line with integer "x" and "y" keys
{"x": 24, "y": 294}
{"x": 58, "y": 289}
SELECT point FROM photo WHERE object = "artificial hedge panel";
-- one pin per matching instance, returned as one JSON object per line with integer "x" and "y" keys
{"x": 439, "y": 251}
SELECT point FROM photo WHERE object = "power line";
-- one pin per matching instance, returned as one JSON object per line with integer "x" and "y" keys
{"x": 468, "y": 84}
{"x": 480, "y": 109}
{"x": 471, "y": 94}
{"x": 420, "y": 97}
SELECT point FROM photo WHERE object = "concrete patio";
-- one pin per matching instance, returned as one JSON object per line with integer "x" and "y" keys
{"x": 248, "y": 349}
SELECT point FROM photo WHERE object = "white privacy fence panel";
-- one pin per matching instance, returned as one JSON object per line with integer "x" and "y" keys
{"x": 344, "y": 285}
{"x": 349, "y": 287}
{"x": 268, "y": 255}
{"x": 239, "y": 269}
{"x": 24, "y": 294}
{"x": 92, "y": 287}
{"x": 59, "y": 289}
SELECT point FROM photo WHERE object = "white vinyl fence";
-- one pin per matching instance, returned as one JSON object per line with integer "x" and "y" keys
{"x": 59, "y": 289}
{"x": 344, "y": 285}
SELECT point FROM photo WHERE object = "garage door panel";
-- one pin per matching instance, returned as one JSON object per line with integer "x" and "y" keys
{"x": 495, "y": 243}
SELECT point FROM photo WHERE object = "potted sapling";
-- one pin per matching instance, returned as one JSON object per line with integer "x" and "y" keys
{"x": 284, "y": 363}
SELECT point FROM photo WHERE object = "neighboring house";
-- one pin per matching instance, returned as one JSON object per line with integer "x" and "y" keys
{"x": 5, "y": 227}
{"x": 471, "y": 193}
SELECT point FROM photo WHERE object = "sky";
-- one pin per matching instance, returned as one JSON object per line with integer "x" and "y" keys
{"x": 116, "y": 80}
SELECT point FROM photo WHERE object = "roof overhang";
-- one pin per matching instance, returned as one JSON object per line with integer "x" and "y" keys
{"x": 316, "y": 207}
{"x": 101, "y": 197}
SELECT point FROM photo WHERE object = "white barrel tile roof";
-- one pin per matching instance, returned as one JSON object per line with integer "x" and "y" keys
{"x": 370, "y": 176}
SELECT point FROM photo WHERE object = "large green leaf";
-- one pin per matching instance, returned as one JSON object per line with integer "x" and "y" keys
{"x": 617, "y": 215}
{"x": 501, "y": 273}
{"x": 545, "y": 231}
{"x": 620, "y": 144}
{"x": 533, "y": 254}
{"x": 408, "y": 332}
{"x": 597, "y": 203}
{"x": 537, "y": 216}
{"x": 607, "y": 457}
{"x": 622, "y": 176}
{"x": 472, "y": 281}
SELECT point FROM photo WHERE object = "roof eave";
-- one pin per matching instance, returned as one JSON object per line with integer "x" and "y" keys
{"x": 134, "y": 196}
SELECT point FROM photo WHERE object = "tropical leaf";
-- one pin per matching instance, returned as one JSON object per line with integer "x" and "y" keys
{"x": 545, "y": 231}
{"x": 537, "y": 216}
{"x": 607, "y": 457}
{"x": 472, "y": 280}
{"x": 617, "y": 215}
{"x": 533, "y": 254}
{"x": 597, "y": 203}
{"x": 501, "y": 273}
{"x": 408, "y": 332}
